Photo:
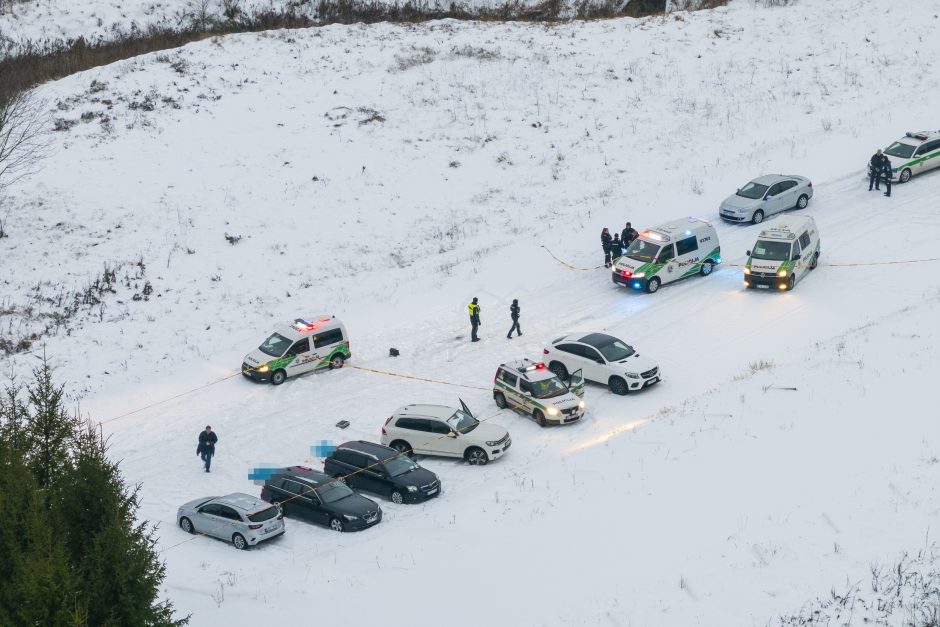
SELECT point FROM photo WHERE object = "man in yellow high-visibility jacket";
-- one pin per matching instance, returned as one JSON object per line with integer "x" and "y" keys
{"x": 474, "y": 309}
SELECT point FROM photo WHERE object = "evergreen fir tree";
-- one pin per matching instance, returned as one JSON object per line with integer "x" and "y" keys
{"x": 48, "y": 427}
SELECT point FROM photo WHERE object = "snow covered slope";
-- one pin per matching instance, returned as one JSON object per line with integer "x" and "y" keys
{"x": 389, "y": 173}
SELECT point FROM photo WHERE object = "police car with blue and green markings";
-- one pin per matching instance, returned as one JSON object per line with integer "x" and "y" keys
{"x": 304, "y": 345}
{"x": 672, "y": 251}
{"x": 912, "y": 154}
{"x": 530, "y": 387}
{"x": 785, "y": 252}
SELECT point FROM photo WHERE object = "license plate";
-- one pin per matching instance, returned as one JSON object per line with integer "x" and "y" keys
{"x": 652, "y": 381}
{"x": 434, "y": 491}
{"x": 763, "y": 287}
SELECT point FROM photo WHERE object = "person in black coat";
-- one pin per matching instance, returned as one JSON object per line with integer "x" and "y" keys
{"x": 874, "y": 170}
{"x": 206, "y": 448}
{"x": 606, "y": 239}
{"x": 629, "y": 234}
{"x": 514, "y": 314}
{"x": 616, "y": 248}
{"x": 886, "y": 173}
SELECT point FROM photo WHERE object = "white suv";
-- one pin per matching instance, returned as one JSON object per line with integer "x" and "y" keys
{"x": 445, "y": 431}
{"x": 603, "y": 359}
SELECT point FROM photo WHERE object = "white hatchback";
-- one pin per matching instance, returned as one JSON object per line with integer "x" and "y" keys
{"x": 603, "y": 359}
{"x": 445, "y": 431}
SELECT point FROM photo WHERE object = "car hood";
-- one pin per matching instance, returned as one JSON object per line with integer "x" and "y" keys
{"x": 257, "y": 358}
{"x": 739, "y": 203}
{"x": 417, "y": 477}
{"x": 487, "y": 432}
{"x": 765, "y": 265}
{"x": 635, "y": 363}
{"x": 563, "y": 401}
{"x": 354, "y": 505}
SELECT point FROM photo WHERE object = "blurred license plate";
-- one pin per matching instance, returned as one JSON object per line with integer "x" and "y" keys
{"x": 763, "y": 287}
{"x": 434, "y": 491}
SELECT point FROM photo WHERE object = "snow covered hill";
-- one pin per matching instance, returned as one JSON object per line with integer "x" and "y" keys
{"x": 389, "y": 173}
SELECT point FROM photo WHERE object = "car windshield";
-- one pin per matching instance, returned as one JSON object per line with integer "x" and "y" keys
{"x": 641, "y": 250}
{"x": 266, "y": 514}
{"x": 275, "y": 345}
{"x": 548, "y": 388}
{"x": 771, "y": 251}
{"x": 333, "y": 491}
{"x": 399, "y": 466}
{"x": 615, "y": 350}
{"x": 753, "y": 191}
{"x": 897, "y": 149}
{"x": 462, "y": 422}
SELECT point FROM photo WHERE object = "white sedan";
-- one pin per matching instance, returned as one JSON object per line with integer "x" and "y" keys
{"x": 603, "y": 359}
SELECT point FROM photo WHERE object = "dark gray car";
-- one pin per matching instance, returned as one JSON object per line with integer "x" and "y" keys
{"x": 238, "y": 518}
{"x": 765, "y": 196}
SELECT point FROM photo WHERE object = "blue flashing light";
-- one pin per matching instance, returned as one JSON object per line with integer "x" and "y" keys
{"x": 718, "y": 260}
{"x": 636, "y": 285}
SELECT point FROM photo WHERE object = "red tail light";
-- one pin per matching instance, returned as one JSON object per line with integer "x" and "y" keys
{"x": 545, "y": 351}
{"x": 257, "y": 526}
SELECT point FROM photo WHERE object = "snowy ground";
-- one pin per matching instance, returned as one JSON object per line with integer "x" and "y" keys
{"x": 389, "y": 173}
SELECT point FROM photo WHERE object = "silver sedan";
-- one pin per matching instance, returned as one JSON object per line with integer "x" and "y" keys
{"x": 238, "y": 518}
{"x": 765, "y": 196}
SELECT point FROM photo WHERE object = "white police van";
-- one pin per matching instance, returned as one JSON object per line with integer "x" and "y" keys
{"x": 301, "y": 346}
{"x": 672, "y": 251}
{"x": 785, "y": 252}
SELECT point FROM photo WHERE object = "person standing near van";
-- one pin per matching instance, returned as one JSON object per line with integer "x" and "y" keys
{"x": 514, "y": 314}
{"x": 206, "y": 448}
{"x": 874, "y": 170}
{"x": 606, "y": 240}
{"x": 616, "y": 248}
{"x": 629, "y": 234}
{"x": 474, "y": 309}
{"x": 886, "y": 173}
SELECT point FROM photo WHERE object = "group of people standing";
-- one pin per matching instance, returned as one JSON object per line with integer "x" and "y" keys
{"x": 615, "y": 246}
{"x": 474, "y": 310}
{"x": 879, "y": 170}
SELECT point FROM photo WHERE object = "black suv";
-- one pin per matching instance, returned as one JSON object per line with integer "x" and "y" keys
{"x": 316, "y": 497}
{"x": 382, "y": 470}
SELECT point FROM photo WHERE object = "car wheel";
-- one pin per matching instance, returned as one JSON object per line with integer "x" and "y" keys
{"x": 337, "y": 362}
{"x": 187, "y": 525}
{"x": 476, "y": 456}
{"x": 336, "y": 524}
{"x": 403, "y": 447}
{"x": 500, "y": 400}
{"x": 802, "y": 201}
{"x": 559, "y": 369}
{"x": 707, "y": 268}
{"x": 653, "y": 285}
{"x": 791, "y": 282}
{"x": 758, "y": 217}
{"x": 618, "y": 386}
{"x": 397, "y": 497}
{"x": 278, "y": 377}
{"x": 239, "y": 542}
{"x": 905, "y": 176}
{"x": 815, "y": 263}
{"x": 539, "y": 417}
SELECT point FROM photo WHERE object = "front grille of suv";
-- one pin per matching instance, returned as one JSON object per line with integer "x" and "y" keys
{"x": 649, "y": 373}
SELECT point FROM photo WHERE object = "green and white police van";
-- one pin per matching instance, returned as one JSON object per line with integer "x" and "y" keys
{"x": 912, "y": 154}
{"x": 672, "y": 251}
{"x": 530, "y": 387}
{"x": 785, "y": 252}
{"x": 304, "y": 345}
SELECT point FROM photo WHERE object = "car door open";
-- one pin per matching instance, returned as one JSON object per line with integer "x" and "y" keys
{"x": 576, "y": 383}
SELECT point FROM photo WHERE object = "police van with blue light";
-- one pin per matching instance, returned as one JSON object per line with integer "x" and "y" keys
{"x": 533, "y": 389}
{"x": 785, "y": 252}
{"x": 912, "y": 154}
{"x": 304, "y": 345}
{"x": 672, "y": 251}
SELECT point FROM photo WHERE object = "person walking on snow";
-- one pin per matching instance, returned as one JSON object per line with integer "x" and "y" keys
{"x": 616, "y": 248}
{"x": 886, "y": 173}
{"x": 206, "y": 448}
{"x": 606, "y": 239}
{"x": 629, "y": 234}
{"x": 874, "y": 170}
{"x": 474, "y": 309}
{"x": 514, "y": 314}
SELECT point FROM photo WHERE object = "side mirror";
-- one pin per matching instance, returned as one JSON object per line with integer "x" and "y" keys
{"x": 796, "y": 256}
{"x": 748, "y": 253}
{"x": 527, "y": 393}
{"x": 452, "y": 434}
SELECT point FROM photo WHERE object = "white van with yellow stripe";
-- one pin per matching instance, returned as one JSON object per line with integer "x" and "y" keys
{"x": 672, "y": 251}
{"x": 785, "y": 252}
{"x": 533, "y": 389}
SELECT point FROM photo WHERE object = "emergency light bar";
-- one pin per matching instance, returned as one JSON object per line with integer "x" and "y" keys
{"x": 922, "y": 136}
{"x": 655, "y": 236}
{"x": 302, "y": 325}
{"x": 778, "y": 234}
{"x": 535, "y": 366}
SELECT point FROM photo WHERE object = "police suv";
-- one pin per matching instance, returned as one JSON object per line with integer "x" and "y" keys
{"x": 670, "y": 252}
{"x": 785, "y": 252}
{"x": 304, "y": 345}
{"x": 912, "y": 154}
{"x": 530, "y": 387}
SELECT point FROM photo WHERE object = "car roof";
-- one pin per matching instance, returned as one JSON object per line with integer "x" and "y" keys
{"x": 314, "y": 477}
{"x": 303, "y": 327}
{"x": 242, "y": 501}
{"x": 378, "y": 451}
{"x": 913, "y": 139}
{"x": 432, "y": 411}
{"x": 518, "y": 367}
{"x": 782, "y": 226}
{"x": 770, "y": 179}
{"x": 597, "y": 339}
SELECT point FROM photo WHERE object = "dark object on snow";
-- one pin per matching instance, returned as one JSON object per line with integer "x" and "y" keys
{"x": 393, "y": 352}
{"x": 342, "y": 424}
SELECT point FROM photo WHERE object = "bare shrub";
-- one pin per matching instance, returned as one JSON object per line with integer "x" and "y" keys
{"x": 24, "y": 139}
{"x": 413, "y": 58}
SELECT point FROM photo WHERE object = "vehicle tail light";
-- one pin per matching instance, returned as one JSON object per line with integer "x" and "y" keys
{"x": 626, "y": 274}
{"x": 256, "y": 526}
{"x": 810, "y": 184}
{"x": 545, "y": 351}
{"x": 384, "y": 432}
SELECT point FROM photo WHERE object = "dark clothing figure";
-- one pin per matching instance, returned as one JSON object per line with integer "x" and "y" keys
{"x": 474, "y": 310}
{"x": 629, "y": 234}
{"x": 886, "y": 174}
{"x": 616, "y": 247}
{"x": 874, "y": 170}
{"x": 514, "y": 314}
{"x": 206, "y": 448}
{"x": 606, "y": 241}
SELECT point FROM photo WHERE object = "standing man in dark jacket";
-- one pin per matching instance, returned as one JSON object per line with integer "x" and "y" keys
{"x": 629, "y": 234}
{"x": 206, "y": 448}
{"x": 474, "y": 309}
{"x": 514, "y": 314}
{"x": 606, "y": 239}
{"x": 886, "y": 173}
{"x": 616, "y": 248}
{"x": 874, "y": 169}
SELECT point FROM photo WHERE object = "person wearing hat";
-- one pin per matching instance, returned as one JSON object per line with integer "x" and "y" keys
{"x": 206, "y": 448}
{"x": 514, "y": 314}
{"x": 474, "y": 310}
{"x": 629, "y": 234}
